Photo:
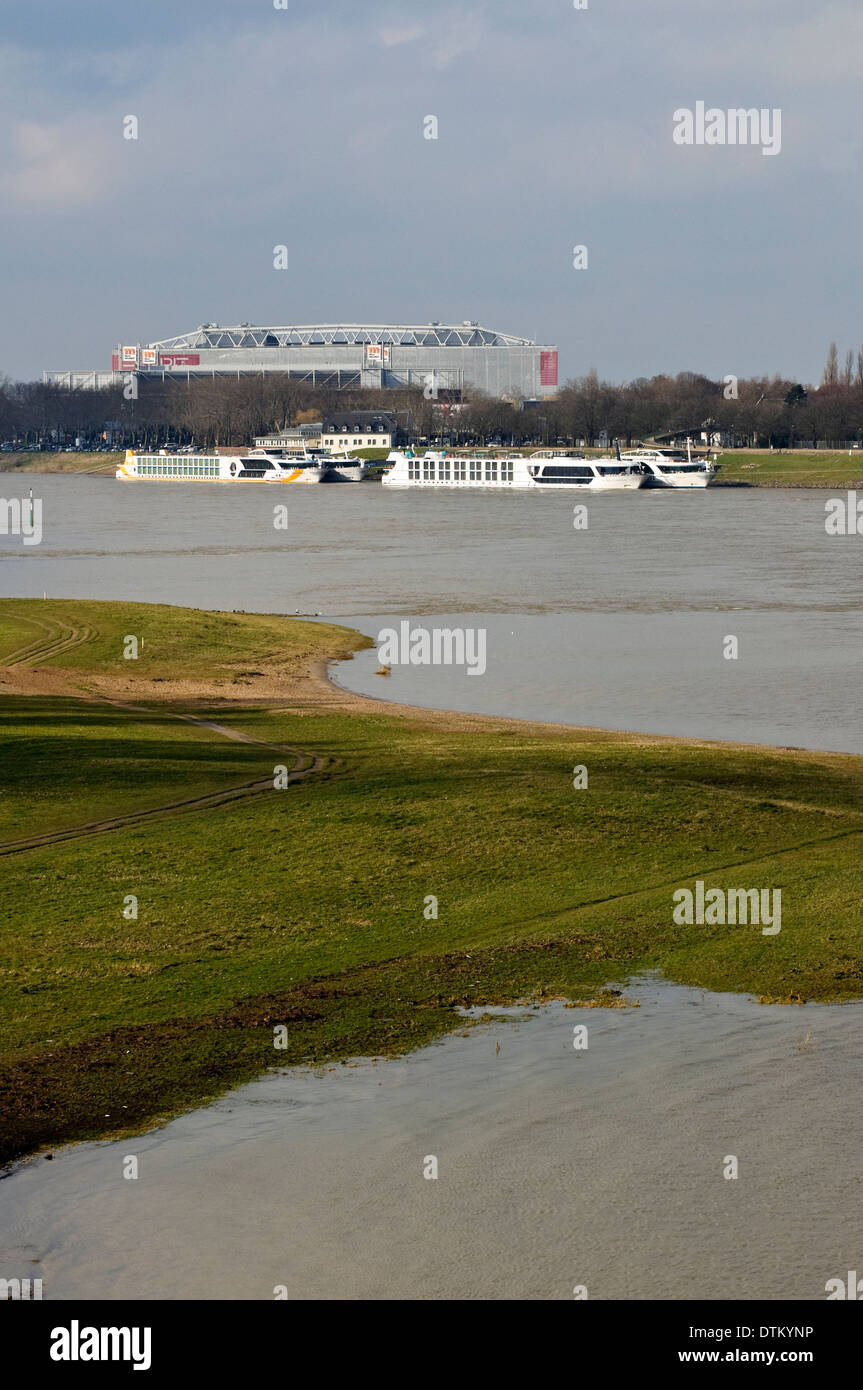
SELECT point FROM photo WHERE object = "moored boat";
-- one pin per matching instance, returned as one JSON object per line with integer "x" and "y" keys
{"x": 671, "y": 469}
{"x": 343, "y": 469}
{"x": 258, "y": 465}
{"x": 541, "y": 470}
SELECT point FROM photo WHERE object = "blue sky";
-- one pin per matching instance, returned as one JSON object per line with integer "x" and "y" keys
{"x": 304, "y": 127}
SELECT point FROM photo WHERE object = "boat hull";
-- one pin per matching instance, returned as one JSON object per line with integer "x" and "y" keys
{"x": 346, "y": 472}
{"x": 680, "y": 481}
{"x": 297, "y": 475}
{"x": 628, "y": 484}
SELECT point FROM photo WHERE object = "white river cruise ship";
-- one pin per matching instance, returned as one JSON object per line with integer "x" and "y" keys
{"x": 259, "y": 465}
{"x": 545, "y": 470}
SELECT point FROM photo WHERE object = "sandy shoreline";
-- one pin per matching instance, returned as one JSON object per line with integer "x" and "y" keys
{"x": 312, "y": 684}
{"x": 463, "y": 722}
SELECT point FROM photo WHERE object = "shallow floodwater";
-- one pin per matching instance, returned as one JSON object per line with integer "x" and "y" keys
{"x": 601, "y": 1167}
{"x": 621, "y": 625}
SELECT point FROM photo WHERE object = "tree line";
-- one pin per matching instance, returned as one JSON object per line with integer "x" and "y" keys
{"x": 753, "y": 412}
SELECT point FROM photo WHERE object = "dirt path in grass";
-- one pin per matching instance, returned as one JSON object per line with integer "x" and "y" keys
{"x": 305, "y": 764}
{"x": 32, "y": 681}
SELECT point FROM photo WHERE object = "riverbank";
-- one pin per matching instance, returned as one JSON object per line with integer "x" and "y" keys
{"x": 795, "y": 468}
{"x": 750, "y": 468}
{"x": 415, "y": 862}
{"x": 27, "y": 462}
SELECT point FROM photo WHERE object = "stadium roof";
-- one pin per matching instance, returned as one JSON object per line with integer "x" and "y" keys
{"x": 246, "y": 335}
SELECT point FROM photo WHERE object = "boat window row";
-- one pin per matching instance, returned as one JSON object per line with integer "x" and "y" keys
{"x": 191, "y": 467}
{"x": 560, "y": 473}
{"x": 460, "y": 471}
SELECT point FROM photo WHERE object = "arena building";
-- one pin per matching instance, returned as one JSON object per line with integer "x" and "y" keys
{"x": 442, "y": 359}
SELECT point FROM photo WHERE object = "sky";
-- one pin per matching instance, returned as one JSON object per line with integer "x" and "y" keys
{"x": 304, "y": 127}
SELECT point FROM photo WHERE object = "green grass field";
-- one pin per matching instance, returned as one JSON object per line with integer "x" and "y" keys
{"x": 818, "y": 468}
{"x": 305, "y": 905}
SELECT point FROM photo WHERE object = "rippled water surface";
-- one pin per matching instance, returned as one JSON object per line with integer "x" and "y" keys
{"x": 602, "y": 1167}
{"x": 621, "y": 625}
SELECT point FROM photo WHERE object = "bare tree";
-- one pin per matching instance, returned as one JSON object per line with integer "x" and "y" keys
{"x": 848, "y": 374}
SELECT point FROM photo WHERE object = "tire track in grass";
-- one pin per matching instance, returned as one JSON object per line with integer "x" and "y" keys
{"x": 60, "y": 638}
{"x": 305, "y": 764}
{"x": 231, "y": 795}
{"x": 712, "y": 871}
{"x": 19, "y": 656}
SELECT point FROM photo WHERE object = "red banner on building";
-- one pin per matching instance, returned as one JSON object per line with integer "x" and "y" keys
{"x": 180, "y": 359}
{"x": 548, "y": 368}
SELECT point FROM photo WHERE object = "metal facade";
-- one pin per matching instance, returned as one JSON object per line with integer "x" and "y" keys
{"x": 441, "y": 357}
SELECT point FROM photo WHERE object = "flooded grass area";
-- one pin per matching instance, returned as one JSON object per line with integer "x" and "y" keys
{"x": 603, "y": 1166}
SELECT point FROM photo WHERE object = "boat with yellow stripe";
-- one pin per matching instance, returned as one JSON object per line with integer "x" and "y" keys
{"x": 258, "y": 465}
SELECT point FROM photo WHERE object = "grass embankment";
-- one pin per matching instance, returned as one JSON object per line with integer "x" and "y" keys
{"x": 815, "y": 468}
{"x": 305, "y": 906}
{"x": 174, "y": 644}
{"x": 60, "y": 463}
